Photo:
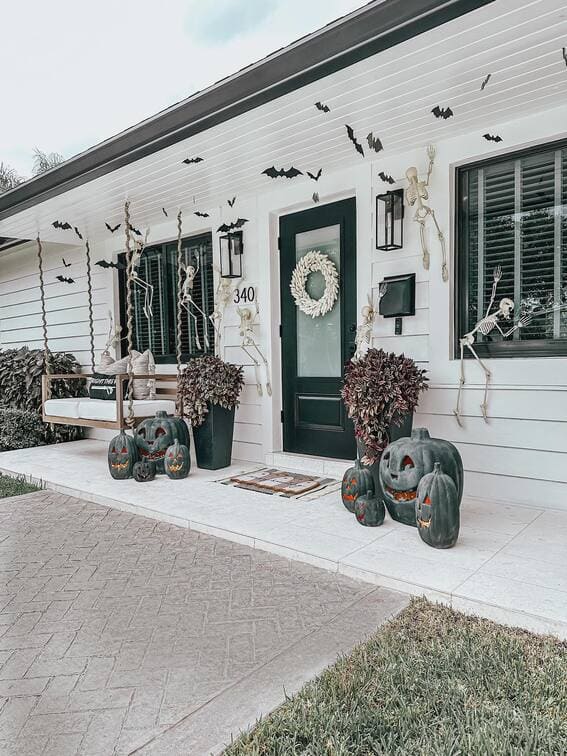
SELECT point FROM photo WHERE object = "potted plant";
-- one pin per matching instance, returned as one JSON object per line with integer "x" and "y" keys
{"x": 381, "y": 392}
{"x": 210, "y": 389}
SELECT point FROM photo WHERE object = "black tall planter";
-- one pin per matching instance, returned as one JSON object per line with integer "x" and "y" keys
{"x": 213, "y": 439}
{"x": 394, "y": 433}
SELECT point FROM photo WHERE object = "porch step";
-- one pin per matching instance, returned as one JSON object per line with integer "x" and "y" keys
{"x": 305, "y": 463}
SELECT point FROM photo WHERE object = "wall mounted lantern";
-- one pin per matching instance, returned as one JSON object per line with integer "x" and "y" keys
{"x": 390, "y": 220}
{"x": 398, "y": 298}
{"x": 231, "y": 249}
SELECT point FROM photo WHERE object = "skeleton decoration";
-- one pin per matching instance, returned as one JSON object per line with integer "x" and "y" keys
{"x": 365, "y": 331}
{"x": 416, "y": 193}
{"x": 114, "y": 332}
{"x": 137, "y": 280}
{"x": 189, "y": 304}
{"x": 251, "y": 348}
{"x": 223, "y": 297}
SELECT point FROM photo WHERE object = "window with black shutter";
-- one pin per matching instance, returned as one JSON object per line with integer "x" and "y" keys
{"x": 512, "y": 212}
{"x": 158, "y": 266}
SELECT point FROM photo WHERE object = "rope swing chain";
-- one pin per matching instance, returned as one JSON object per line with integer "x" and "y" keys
{"x": 178, "y": 335}
{"x": 46, "y": 359}
{"x": 90, "y": 300}
{"x": 129, "y": 315}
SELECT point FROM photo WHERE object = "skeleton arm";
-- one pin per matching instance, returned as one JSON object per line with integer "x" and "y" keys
{"x": 497, "y": 275}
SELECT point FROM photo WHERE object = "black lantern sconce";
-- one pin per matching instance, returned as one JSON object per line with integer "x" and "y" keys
{"x": 231, "y": 249}
{"x": 390, "y": 220}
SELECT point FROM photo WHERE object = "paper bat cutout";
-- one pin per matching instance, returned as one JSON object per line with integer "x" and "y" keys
{"x": 485, "y": 82}
{"x": 189, "y": 161}
{"x": 386, "y": 178}
{"x": 315, "y": 197}
{"x": 323, "y": 108}
{"x": 63, "y": 226}
{"x": 135, "y": 230}
{"x": 565, "y": 55}
{"x": 65, "y": 280}
{"x": 492, "y": 137}
{"x": 353, "y": 139}
{"x": 112, "y": 229}
{"x": 164, "y": 211}
{"x": 316, "y": 176}
{"x": 274, "y": 172}
{"x": 66, "y": 264}
{"x": 231, "y": 202}
{"x": 201, "y": 215}
{"x": 79, "y": 234}
{"x": 442, "y": 112}
{"x": 106, "y": 264}
{"x": 231, "y": 226}
{"x": 374, "y": 143}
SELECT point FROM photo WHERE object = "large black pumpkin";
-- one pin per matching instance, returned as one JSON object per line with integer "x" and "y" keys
{"x": 122, "y": 455}
{"x": 369, "y": 510}
{"x": 144, "y": 471}
{"x": 156, "y": 434}
{"x": 437, "y": 510}
{"x": 356, "y": 481}
{"x": 406, "y": 461}
{"x": 177, "y": 461}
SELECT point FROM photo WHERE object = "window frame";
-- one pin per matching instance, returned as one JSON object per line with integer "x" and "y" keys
{"x": 509, "y": 348}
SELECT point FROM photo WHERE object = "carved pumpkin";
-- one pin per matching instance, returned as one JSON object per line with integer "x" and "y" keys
{"x": 437, "y": 509}
{"x": 177, "y": 461}
{"x": 156, "y": 434}
{"x": 406, "y": 461}
{"x": 369, "y": 510}
{"x": 356, "y": 480}
{"x": 144, "y": 470}
{"x": 122, "y": 455}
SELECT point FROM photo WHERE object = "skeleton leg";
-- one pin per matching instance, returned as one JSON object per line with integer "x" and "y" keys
{"x": 266, "y": 367}
{"x": 424, "y": 247}
{"x": 191, "y": 301}
{"x": 256, "y": 369}
{"x": 192, "y": 318}
{"x": 487, "y": 375}
{"x": 440, "y": 236}
{"x": 148, "y": 290}
{"x": 457, "y": 410}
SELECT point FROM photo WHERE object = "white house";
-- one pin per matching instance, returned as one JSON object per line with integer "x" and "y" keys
{"x": 499, "y": 66}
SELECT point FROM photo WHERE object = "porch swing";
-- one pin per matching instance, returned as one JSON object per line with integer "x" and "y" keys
{"x": 99, "y": 413}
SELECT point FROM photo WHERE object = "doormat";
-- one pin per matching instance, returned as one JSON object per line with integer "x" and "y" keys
{"x": 276, "y": 482}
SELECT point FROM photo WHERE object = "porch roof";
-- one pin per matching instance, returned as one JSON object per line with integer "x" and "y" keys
{"x": 381, "y": 70}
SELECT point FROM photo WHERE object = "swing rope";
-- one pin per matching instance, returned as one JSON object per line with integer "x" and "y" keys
{"x": 90, "y": 302}
{"x": 129, "y": 315}
{"x": 46, "y": 360}
{"x": 178, "y": 340}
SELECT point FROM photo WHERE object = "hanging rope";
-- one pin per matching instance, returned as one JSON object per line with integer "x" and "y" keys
{"x": 178, "y": 342}
{"x": 46, "y": 360}
{"x": 90, "y": 298}
{"x": 129, "y": 315}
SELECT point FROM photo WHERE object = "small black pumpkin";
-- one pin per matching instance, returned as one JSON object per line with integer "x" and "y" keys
{"x": 144, "y": 471}
{"x": 369, "y": 510}
{"x": 437, "y": 510}
{"x": 122, "y": 455}
{"x": 156, "y": 434}
{"x": 177, "y": 461}
{"x": 356, "y": 481}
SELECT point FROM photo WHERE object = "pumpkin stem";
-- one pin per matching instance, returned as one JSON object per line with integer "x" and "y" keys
{"x": 437, "y": 467}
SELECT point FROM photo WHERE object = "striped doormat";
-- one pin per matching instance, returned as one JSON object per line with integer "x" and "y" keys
{"x": 271, "y": 480}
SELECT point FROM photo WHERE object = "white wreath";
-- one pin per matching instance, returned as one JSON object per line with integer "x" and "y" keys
{"x": 308, "y": 264}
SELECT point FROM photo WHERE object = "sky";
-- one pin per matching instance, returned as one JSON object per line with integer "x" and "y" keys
{"x": 73, "y": 73}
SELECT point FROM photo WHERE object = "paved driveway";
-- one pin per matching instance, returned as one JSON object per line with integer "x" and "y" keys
{"x": 121, "y": 634}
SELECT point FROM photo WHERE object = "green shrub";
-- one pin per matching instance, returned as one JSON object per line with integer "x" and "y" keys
{"x": 20, "y": 429}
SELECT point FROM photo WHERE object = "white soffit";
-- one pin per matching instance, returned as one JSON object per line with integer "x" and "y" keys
{"x": 390, "y": 94}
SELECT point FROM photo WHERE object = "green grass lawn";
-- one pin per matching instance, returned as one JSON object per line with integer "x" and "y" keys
{"x": 15, "y": 486}
{"x": 432, "y": 681}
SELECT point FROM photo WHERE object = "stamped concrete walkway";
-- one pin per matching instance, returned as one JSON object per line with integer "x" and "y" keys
{"x": 120, "y": 634}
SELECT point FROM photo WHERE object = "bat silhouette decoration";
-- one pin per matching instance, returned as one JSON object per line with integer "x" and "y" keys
{"x": 112, "y": 229}
{"x": 106, "y": 264}
{"x": 315, "y": 176}
{"x": 66, "y": 264}
{"x": 323, "y": 108}
{"x": 565, "y": 55}
{"x": 231, "y": 202}
{"x": 135, "y": 230}
{"x": 315, "y": 197}
{"x": 485, "y": 82}
{"x": 164, "y": 211}
{"x": 290, "y": 173}
{"x": 492, "y": 137}
{"x": 201, "y": 215}
{"x": 79, "y": 234}
{"x": 190, "y": 161}
{"x": 374, "y": 143}
{"x": 386, "y": 178}
{"x": 63, "y": 279}
{"x": 64, "y": 226}
{"x": 226, "y": 227}
{"x": 442, "y": 112}
{"x": 353, "y": 139}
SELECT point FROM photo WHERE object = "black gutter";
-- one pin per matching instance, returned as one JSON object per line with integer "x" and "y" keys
{"x": 378, "y": 27}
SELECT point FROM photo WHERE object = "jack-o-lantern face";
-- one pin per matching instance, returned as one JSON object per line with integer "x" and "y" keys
{"x": 369, "y": 510}
{"x": 144, "y": 471}
{"x": 177, "y": 461}
{"x": 122, "y": 455}
{"x": 403, "y": 465}
{"x": 356, "y": 481}
{"x": 437, "y": 509}
{"x": 156, "y": 434}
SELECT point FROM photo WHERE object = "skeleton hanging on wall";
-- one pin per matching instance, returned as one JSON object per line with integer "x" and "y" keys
{"x": 114, "y": 332}
{"x": 365, "y": 331}
{"x": 189, "y": 304}
{"x": 223, "y": 297}
{"x": 137, "y": 280}
{"x": 251, "y": 348}
{"x": 416, "y": 193}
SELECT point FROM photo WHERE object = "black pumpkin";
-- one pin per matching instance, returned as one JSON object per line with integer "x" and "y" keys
{"x": 406, "y": 461}
{"x": 122, "y": 456}
{"x": 177, "y": 461}
{"x": 356, "y": 481}
{"x": 437, "y": 510}
{"x": 156, "y": 434}
{"x": 144, "y": 471}
{"x": 369, "y": 510}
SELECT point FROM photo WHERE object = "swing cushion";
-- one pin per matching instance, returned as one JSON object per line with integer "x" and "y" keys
{"x": 62, "y": 407}
{"x": 99, "y": 409}
{"x": 141, "y": 364}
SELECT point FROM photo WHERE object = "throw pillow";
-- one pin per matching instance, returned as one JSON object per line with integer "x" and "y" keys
{"x": 141, "y": 364}
{"x": 104, "y": 387}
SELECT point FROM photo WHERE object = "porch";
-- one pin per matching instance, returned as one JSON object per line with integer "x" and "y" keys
{"x": 508, "y": 565}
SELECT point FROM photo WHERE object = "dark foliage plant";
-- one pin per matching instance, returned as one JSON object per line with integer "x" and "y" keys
{"x": 379, "y": 390}
{"x": 209, "y": 380}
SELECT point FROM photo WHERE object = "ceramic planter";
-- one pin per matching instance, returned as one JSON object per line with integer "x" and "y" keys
{"x": 213, "y": 439}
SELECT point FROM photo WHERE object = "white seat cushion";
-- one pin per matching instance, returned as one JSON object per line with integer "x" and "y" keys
{"x": 100, "y": 409}
{"x": 62, "y": 407}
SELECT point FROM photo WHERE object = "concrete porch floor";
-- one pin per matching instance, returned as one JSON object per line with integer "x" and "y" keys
{"x": 508, "y": 565}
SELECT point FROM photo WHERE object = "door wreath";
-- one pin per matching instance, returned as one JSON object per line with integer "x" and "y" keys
{"x": 309, "y": 263}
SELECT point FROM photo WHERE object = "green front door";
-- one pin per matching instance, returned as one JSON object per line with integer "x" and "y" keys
{"x": 315, "y": 350}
